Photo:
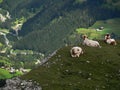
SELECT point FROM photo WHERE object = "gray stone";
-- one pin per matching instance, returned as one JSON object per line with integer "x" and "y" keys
{"x": 18, "y": 84}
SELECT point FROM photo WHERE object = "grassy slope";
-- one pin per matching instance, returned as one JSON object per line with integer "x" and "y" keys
{"x": 110, "y": 26}
{"x": 96, "y": 69}
{"x": 4, "y": 74}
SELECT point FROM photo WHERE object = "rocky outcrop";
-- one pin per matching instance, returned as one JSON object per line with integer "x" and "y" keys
{"x": 18, "y": 84}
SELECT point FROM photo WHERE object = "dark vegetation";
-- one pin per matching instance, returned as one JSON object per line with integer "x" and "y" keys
{"x": 50, "y": 23}
{"x": 2, "y": 82}
{"x": 19, "y": 60}
{"x": 97, "y": 68}
{"x": 59, "y": 19}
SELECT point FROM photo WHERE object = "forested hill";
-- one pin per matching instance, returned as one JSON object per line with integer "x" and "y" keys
{"x": 51, "y": 26}
{"x": 19, "y": 8}
{"x": 48, "y": 24}
{"x": 79, "y": 13}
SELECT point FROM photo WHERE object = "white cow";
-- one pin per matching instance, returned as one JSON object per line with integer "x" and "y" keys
{"x": 90, "y": 43}
{"x": 76, "y": 51}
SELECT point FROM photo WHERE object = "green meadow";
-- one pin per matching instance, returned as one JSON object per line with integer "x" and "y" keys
{"x": 4, "y": 74}
{"x": 110, "y": 26}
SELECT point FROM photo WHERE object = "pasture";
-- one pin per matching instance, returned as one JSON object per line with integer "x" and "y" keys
{"x": 110, "y": 26}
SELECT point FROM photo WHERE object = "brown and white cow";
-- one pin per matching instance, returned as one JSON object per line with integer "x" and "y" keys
{"x": 110, "y": 41}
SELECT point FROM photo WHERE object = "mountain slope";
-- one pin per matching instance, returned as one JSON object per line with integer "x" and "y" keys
{"x": 94, "y": 32}
{"x": 97, "y": 68}
{"x": 87, "y": 12}
{"x": 49, "y": 29}
{"x": 21, "y": 8}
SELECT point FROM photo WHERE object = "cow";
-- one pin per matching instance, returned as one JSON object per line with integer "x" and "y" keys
{"x": 76, "y": 51}
{"x": 91, "y": 43}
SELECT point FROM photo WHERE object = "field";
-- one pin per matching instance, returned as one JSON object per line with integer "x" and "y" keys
{"x": 4, "y": 74}
{"x": 109, "y": 26}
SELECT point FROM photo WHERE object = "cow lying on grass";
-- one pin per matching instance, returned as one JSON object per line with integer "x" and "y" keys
{"x": 90, "y": 43}
{"x": 110, "y": 41}
{"x": 76, "y": 51}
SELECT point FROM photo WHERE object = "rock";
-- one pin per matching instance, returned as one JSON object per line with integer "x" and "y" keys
{"x": 18, "y": 84}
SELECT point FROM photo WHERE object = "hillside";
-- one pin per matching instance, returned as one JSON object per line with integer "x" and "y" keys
{"x": 58, "y": 20}
{"x": 4, "y": 74}
{"x": 21, "y": 8}
{"x": 30, "y": 30}
{"x": 96, "y": 69}
{"x": 94, "y": 32}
